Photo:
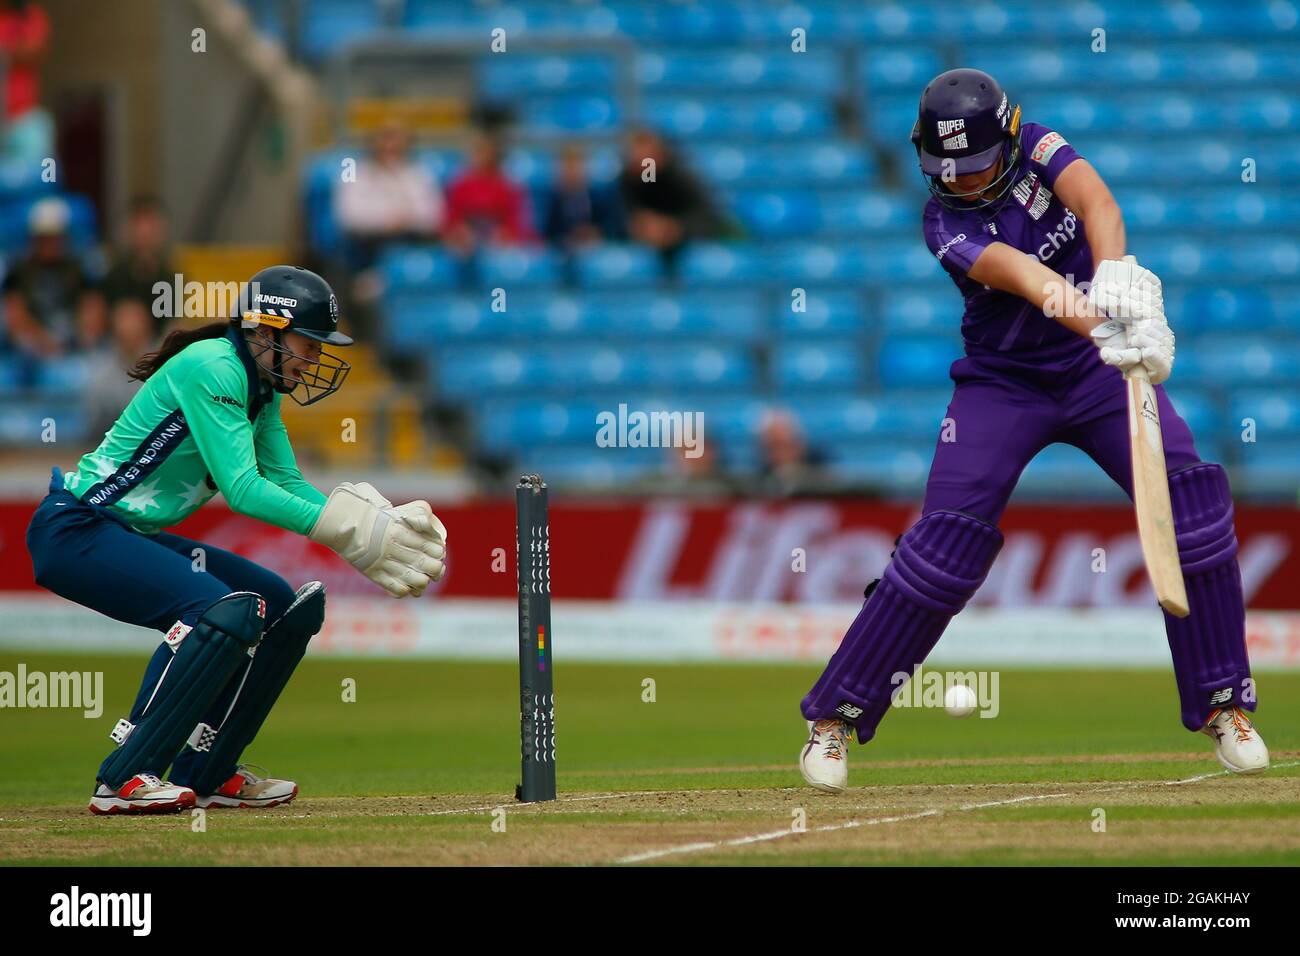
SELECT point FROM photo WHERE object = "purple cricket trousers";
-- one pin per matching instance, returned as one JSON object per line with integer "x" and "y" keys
{"x": 1005, "y": 410}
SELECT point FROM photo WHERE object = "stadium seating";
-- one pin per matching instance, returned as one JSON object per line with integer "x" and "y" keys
{"x": 1190, "y": 114}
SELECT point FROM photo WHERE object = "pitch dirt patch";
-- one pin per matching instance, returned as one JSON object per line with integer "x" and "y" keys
{"x": 1203, "y": 818}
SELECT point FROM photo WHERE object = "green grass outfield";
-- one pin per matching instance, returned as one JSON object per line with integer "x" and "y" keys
{"x": 411, "y": 771}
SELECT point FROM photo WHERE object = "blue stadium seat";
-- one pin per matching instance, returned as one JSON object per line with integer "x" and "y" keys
{"x": 1275, "y": 412}
{"x": 735, "y": 70}
{"x": 407, "y": 266}
{"x": 851, "y": 416}
{"x": 524, "y": 74}
{"x": 519, "y": 266}
{"x": 916, "y": 362}
{"x": 829, "y": 364}
{"x": 1232, "y": 363}
{"x": 65, "y": 373}
{"x": 895, "y": 468}
{"x": 894, "y": 68}
{"x": 721, "y": 264}
{"x": 329, "y": 25}
{"x": 568, "y": 113}
{"x": 1063, "y": 469}
{"x": 612, "y": 264}
{"x": 1269, "y": 470}
{"x": 835, "y": 313}
{"x": 730, "y": 115}
{"x": 921, "y": 311}
{"x": 829, "y": 163}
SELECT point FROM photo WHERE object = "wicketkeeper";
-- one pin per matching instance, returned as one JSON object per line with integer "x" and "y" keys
{"x": 1017, "y": 218}
{"x": 207, "y": 419}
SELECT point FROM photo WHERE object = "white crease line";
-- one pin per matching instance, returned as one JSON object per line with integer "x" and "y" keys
{"x": 542, "y": 807}
{"x": 851, "y": 824}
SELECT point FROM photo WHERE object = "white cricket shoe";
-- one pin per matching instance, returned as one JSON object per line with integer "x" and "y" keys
{"x": 143, "y": 793}
{"x": 1238, "y": 744}
{"x": 824, "y": 760}
{"x": 245, "y": 790}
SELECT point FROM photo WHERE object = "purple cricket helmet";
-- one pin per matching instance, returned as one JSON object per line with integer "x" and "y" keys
{"x": 964, "y": 124}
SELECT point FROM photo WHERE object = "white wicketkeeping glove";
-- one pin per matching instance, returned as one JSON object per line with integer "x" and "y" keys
{"x": 1123, "y": 290}
{"x": 369, "y": 492}
{"x": 379, "y": 543}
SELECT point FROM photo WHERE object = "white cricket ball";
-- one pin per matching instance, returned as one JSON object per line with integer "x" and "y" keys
{"x": 960, "y": 701}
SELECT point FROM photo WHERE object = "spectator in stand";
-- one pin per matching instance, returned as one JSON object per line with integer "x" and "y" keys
{"x": 666, "y": 206}
{"x": 577, "y": 212}
{"x": 393, "y": 199}
{"x": 484, "y": 205}
{"x": 27, "y": 133}
{"x": 51, "y": 306}
{"x": 143, "y": 261}
{"x": 109, "y": 388}
{"x": 789, "y": 466}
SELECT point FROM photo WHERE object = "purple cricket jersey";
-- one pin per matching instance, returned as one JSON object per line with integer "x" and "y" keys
{"x": 1031, "y": 219}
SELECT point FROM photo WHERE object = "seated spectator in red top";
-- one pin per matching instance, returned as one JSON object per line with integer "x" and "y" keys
{"x": 141, "y": 263}
{"x": 578, "y": 213}
{"x": 27, "y": 132}
{"x": 51, "y": 306}
{"x": 484, "y": 205}
{"x": 665, "y": 204}
{"x": 393, "y": 198}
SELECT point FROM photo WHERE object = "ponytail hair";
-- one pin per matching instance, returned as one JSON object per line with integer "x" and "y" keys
{"x": 176, "y": 340}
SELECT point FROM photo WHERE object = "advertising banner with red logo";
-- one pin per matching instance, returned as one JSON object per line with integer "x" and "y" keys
{"x": 812, "y": 552}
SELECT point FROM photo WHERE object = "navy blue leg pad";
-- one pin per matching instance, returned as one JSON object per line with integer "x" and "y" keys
{"x": 202, "y": 664}
{"x": 254, "y": 694}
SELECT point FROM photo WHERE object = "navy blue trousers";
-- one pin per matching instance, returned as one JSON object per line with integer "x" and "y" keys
{"x": 88, "y": 556}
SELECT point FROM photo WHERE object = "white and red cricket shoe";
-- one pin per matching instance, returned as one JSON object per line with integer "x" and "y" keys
{"x": 1237, "y": 743}
{"x": 824, "y": 760}
{"x": 245, "y": 790}
{"x": 143, "y": 793}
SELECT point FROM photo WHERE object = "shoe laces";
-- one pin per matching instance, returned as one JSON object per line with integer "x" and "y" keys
{"x": 1241, "y": 724}
{"x": 832, "y": 738}
{"x": 245, "y": 770}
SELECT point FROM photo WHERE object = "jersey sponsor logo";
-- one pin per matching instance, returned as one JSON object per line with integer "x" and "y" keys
{"x": 955, "y": 142}
{"x": 1059, "y": 237}
{"x": 227, "y": 400}
{"x": 1033, "y": 195}
{"x": 1046, "y": 148}
{"x": 943, "y": 249}
{"x": 275, "y": 300}
{"x": 948, "y": 127}
{"x": 144, "y": 461}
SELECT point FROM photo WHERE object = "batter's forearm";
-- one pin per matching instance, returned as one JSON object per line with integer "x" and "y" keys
{"x": 1104, "y": 227}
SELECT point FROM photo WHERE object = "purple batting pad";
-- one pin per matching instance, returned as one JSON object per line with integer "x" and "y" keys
{"x": 938, "y": 565}
{"x": 1209, "y": 645}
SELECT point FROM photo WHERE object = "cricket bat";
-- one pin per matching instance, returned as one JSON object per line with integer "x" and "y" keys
{"x": 1155, "y": 515}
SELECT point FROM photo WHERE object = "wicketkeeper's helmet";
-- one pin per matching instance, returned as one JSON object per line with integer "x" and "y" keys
{"x": 292, "y": 299}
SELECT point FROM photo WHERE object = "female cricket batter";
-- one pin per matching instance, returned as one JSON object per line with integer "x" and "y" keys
{"x": 207, "y": 419}
{"x": 1017, "y": 218}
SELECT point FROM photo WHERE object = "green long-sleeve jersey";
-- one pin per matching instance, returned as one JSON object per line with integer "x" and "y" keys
{"x": 204, "y": 422}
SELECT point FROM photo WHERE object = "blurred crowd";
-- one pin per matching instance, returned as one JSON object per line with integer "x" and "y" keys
{"x": 60, "y": 306}
{"x": 656, "y": 200}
